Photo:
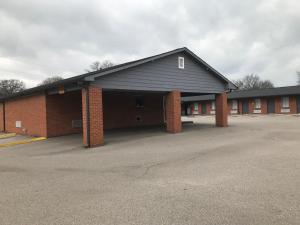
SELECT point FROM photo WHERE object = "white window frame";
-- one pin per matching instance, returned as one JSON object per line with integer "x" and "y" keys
{"x": 196, "y": 106}
{"x": 285, "y": 102}
{"x": 234, "y": 105}
{"x": 213, "y": 106}
{"x": 180, "y": 65}
{"x": 18, "y": 124}
{"x": 257, "y": 103}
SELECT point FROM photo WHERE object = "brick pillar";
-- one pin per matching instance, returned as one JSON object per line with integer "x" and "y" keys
{"x": 293, "y": 104}
{"x": 221, "y": 110}
{"x": 92, "y": 116}
{"x": 173, "y": 112}
{"x": 2, "y": 117}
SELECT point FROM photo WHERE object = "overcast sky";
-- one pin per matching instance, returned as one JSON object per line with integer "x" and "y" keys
{"x": 62, "y": 37}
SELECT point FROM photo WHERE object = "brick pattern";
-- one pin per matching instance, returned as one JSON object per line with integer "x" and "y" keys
{"x": 1, "y": 117}
{"x": 173, "y": 112}
{"x": 221, "y": 110}
{"x": 120, "y": 110}
{"x": 251, "y": 106}
{"x": 95, "y": 117}
{"x": 229, "y": 107}
{"x": 293, "y": 104}
{"x": 278, "y": 105}
{"x": 31, "y": 111}
{"x": 240, "y": 106}
{"x": 208, "y": 108}
{"x": 84, "y": 117}
{"x": 61, "y": 110}
{"x": 264, "y": 105}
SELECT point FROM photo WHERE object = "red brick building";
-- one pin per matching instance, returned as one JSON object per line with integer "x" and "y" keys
{"x": 282, "y": 100}
{"x": 140, "y": 93}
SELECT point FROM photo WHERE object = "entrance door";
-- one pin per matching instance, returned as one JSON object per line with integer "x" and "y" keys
{"x": 203, "y": 108}
{"x": 245, "y": 107}
{"x": 298, "y": 104}
{"x": 271, "y": 105}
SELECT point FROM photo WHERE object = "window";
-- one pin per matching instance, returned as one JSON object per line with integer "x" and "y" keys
{"x": 285, "y": 102}
{"x": 257, "y": 103}
{"x": 196, "y": 106}
{"x": 213, "y": 106}
{"x": 180, "y": 62}
{"x": 234, "y": 105}
{"x": 139, "y": 102}
{"x": 18, "y": 124}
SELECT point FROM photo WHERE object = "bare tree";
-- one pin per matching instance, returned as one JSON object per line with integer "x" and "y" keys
{"x": 253, "y": 82}
{"x": 51, "y": 80}
{"x": 11, "y": 86}
{"x": 95, "y": 66}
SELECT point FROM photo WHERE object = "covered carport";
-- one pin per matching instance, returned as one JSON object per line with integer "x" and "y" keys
{"x": 146, "y": 92}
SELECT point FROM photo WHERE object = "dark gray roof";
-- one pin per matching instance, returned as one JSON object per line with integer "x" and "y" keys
{"x": 290, "y": 90}
{"x": 279, "y": 91}
{"x": 87, "y": 77}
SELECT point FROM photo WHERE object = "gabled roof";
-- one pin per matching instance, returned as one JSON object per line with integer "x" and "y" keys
{"x": 91, "y": 76}
{"x": 267, "y": 92}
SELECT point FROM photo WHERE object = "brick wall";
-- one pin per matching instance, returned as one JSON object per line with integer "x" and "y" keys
{"x": 293, "y": 104}
{"x": 264, "y": 105}
{"x": 92, "y": 123}
{"x": 1, "y": 117}
{"x": 221, "y": 110}
{"x": 208, "y": 107}
{"x": 278, "y": 105}
{"x": 61, "y": 110}
{"x": 229, "y": 106}
{"x": 120, "y": 110}
{"x": 173, "y": 109}
{"x": 31, "y": 111}
{"x": 251, "y": 105}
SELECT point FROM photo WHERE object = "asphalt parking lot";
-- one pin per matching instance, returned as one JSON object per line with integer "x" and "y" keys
{"x": 248, "y": 173}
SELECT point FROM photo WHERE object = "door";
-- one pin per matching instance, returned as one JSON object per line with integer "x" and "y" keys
{"x": 271, "y": 105}
{"x": 203, "y": 108}
{"x": 245, "y": 107}
{"x": 298, "y": 104}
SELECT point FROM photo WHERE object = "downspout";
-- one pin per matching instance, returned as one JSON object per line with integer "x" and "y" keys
{"x": 87, "y": 100}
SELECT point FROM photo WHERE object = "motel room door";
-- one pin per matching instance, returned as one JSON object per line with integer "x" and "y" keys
{"x": 203, "y": 108}
{"x": 245, "y": 107}
{"x": 271, "y": 105}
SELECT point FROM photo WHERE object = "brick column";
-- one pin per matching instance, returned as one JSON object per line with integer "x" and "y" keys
{"x": 293, "y": 104}
{"x": 221, "y": 110}
{"x": 173, "y": 112}
{"x": 2, "y": 125}
{"x": 92, "y": 116}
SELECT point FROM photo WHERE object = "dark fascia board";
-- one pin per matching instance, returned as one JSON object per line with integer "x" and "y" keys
{"x": 230, "y": 86}
{"x": 41, "y": 89}
{"x": 198, "y": 98}
{"x": 89, "y": 77}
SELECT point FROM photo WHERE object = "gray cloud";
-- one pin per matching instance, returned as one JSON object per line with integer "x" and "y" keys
{"x": 43, "y": 38}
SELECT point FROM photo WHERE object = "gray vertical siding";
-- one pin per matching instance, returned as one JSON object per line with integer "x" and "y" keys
{"x": 164, "y": 75}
